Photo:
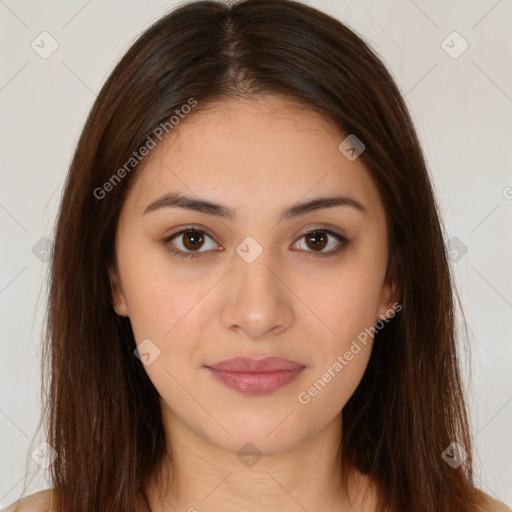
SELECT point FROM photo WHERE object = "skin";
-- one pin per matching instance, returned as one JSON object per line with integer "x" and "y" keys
{"x": 256, "y": 156}
{"x": 299, "y": 307}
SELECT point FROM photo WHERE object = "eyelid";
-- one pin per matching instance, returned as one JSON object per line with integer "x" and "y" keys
{"x": 343, "y": 240}
{"x": 168, "y": 239}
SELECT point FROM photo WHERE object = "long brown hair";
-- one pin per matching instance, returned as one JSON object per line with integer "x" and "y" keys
{"x": 102, "y": 410}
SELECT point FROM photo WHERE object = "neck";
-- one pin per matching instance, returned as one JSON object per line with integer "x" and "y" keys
{"x": 207, "y": 477}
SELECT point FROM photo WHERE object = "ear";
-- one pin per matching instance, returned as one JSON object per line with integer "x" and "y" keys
{"x": 118, "y": 297}
{"x": 391, "y": 292}
{"x": 390, "y": 301}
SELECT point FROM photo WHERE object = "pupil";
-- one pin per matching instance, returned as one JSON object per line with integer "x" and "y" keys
{"x": 319, "y": 239}
{"x": 194, "y": 236}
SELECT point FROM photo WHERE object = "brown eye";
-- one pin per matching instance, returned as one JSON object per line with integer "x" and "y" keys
{"x": 189, "y": 242}
{"x": 193, "y": 240}
{"x": 317, "y": 240}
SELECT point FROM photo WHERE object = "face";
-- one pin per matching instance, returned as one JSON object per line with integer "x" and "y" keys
{"x": 204, "y": 285}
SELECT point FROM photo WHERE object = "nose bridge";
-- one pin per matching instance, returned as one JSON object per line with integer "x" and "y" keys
{"x": 257, "y": 300}
{"x": 252, "y": 271}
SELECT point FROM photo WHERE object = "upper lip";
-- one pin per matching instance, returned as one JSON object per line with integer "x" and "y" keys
{"x": 250, "y": 365}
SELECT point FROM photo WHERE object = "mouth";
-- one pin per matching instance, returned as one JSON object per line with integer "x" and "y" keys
{"x": 256, "y": 376}
{"x": 256, "y": 382}
{"x": 249, "y": 364}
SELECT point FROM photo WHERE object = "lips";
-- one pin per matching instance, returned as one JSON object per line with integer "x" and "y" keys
{"x": 256, "y": 376}
{"x": 250, "y": 365}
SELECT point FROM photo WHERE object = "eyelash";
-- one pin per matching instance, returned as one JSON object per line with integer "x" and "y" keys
{"x": 177, "y": 252}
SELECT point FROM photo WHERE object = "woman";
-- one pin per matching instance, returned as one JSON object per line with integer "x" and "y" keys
{"x": 251, "y": 306}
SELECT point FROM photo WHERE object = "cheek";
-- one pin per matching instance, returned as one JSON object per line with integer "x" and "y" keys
{"x": 158, "y": 299}
{"x": 332, "y": 381}
{"x": 347, "y": 305}
{"x": 340, "y": 360}
{"x": 168, "y": 309}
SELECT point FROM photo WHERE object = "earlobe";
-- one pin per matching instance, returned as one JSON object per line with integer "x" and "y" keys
{"x": 117, "y": 294}
{"x": 391, "y": 290}
{"x": 390, "y": 301}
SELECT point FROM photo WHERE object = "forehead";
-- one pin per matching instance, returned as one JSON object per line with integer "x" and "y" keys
{"x": 241, "y": 152}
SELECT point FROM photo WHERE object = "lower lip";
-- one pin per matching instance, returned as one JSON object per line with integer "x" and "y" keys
{"x": 256, "y": 383}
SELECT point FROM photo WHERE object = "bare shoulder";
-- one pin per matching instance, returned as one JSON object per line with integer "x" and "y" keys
{"x": 489, "y": 504}
{"x": 41, "y": 501}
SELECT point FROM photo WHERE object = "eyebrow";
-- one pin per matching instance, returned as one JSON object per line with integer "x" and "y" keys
{"x": 176, "y": 200}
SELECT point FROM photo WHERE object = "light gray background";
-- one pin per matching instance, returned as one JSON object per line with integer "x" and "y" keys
{"x": 462, "y": 109}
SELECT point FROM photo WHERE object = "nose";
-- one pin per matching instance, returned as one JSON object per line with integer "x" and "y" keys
{"x": 258, "y": 300}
